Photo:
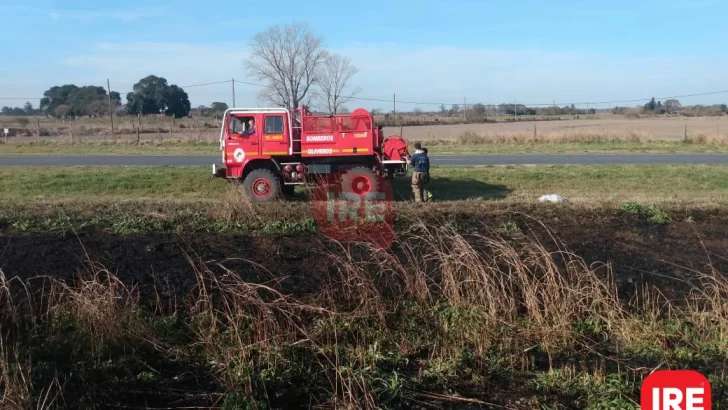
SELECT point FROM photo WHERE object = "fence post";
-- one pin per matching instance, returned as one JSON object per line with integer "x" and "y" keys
{"x": 139, "y": 125}
{"x": 686, "y": 133}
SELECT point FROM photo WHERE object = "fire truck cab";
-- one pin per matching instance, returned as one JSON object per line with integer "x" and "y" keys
{"x": 286, "y": 148}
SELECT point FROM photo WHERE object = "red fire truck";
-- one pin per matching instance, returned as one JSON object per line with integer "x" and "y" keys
{"x": 271, "y": 150}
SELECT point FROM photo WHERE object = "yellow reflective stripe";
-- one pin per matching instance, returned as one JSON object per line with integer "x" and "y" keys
{"x": 276, "y": 153}
{"x": 357, "y": 150}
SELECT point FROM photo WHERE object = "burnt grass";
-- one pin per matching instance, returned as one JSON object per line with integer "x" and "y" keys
{"x": 199, "y": 313}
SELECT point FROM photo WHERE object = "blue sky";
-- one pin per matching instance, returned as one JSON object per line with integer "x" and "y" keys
{"x": 431, "y": 51}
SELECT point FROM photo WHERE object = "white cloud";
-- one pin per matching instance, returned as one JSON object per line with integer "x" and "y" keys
{"x": 124, "y": 15}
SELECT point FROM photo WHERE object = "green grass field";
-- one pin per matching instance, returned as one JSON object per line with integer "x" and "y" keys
{"x": 577, "y": 183}
{"x": 439, "y": 147}
{"x": 474, "y": 297}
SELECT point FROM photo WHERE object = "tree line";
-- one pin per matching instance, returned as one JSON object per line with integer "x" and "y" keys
{"x": 479, "y": 111}
{"x": 150, "y": 95}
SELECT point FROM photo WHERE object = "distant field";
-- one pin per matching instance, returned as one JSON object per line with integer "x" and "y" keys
{"x": 644, "y": 129}
{"x": 594, "y": 128}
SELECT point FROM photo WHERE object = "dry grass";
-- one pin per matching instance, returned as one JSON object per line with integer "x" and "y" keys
{"x": 446, "y": 306}
{"x": 150, "y": 128}
{"x": 157, "y": 130}
{"x": 578, "y": 136}
{"x": 657, "y": 129}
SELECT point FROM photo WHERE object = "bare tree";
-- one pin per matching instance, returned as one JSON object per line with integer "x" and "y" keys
{"x": 334, "y": 76}
{"x": 286, "y": 59}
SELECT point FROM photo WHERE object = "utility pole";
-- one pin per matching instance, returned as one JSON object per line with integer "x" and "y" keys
{"x": 111, "y": 111}
{"x": 465, "y": 107}
{"x": 394, "y": 107}
{"x": 233, "y": 82}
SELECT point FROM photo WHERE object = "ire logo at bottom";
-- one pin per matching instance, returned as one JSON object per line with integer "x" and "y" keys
{"x": 675, "y": 390}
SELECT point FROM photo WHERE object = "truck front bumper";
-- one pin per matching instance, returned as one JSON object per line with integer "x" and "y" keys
{"x": 218, "y": 171}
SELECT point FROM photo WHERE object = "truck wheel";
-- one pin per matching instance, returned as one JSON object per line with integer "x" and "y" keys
{"x": 262, "y": 185}
{"x": 361, "y": 182}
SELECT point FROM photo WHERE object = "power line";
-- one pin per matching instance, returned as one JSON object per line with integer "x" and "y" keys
{"x": 351, "y": 97}
{"x": 200, "y": 85}
{"x": 387, "y": 100}
{"x": 322, "y": 95}
{"x": 524, "y": 104}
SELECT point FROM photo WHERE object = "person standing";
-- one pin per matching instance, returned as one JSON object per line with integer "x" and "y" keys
{"x": 426, "y": 189}
{"x": 421, "y": 169}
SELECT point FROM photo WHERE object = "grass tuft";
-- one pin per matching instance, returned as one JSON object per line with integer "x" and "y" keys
{"x": 651, "y": 212}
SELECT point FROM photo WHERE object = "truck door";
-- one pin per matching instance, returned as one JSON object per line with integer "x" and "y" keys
{"x": 242, "y": 141}
{"x": 275, "y": 135}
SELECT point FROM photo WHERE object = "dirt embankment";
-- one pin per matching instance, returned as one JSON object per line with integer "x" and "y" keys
{"x": 470, "y": 316}
{"x": 637, "y": 251}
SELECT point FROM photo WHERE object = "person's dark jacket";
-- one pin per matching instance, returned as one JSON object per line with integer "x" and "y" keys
{"x": 420, "y": 162}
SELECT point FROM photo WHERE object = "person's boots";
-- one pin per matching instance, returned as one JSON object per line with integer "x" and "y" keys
{"x": 417, "y": 192}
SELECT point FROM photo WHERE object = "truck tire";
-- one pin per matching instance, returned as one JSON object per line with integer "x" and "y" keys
{"x": 361, "y": 182}
{"x": 262, "y": 185}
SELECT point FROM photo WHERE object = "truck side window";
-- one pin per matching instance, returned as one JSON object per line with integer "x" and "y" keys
{"x": 274, "y": 124}
{"x": 238, "y": 124}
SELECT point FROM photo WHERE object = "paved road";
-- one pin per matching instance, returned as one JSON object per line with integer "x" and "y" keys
{"x": 528, "y": 159}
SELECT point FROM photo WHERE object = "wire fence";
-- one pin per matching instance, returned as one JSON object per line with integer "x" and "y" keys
{"x": 479, "y": 118}
{"x": 207, "y": 129}
{"x": 597, "y": 104}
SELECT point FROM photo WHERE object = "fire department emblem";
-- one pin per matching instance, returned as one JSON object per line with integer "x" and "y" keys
{"x": 239, "y": 155}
